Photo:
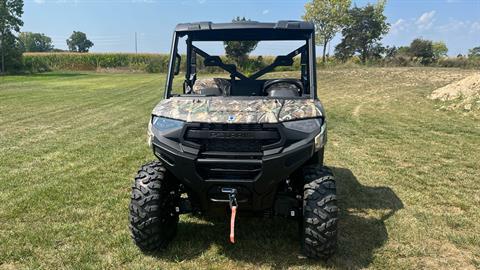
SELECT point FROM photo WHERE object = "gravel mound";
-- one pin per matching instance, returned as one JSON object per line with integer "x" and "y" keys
{"x": 464, "y": 94}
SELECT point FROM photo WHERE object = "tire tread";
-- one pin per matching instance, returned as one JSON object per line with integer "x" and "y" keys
{"x": 320, "y": 213}
{"x": 151, "y": 224}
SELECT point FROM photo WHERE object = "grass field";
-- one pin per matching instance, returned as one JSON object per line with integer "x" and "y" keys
{"x": 408, "y": 177}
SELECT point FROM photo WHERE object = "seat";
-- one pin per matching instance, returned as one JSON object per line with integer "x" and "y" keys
{"x": 282, "y": 89}
{"x": 212, "y": 86}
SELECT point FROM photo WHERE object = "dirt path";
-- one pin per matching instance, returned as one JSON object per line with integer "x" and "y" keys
{"x": 356, "y": 111}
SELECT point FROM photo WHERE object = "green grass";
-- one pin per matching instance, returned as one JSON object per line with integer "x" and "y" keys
{"x": 408, "y": 177}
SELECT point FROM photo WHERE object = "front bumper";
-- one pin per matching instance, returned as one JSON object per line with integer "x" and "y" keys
{"x": 255, "y": 175}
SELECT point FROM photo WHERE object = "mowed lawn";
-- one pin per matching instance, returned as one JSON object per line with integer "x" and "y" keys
{"x": 408, "y": 177}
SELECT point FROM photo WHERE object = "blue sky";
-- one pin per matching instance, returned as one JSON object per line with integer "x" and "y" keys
{"x": 111, "y": 24}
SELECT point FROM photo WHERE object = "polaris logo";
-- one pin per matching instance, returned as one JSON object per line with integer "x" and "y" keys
{"x": 231, "y": 135}
{"x": 231, "y": 118}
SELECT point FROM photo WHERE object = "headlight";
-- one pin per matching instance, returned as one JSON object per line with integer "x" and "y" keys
{"x": 321, "y": 138}
{"x": 164, "y": 124}
{"x": 306, "y": 126}
{"x": 149, "y": 134}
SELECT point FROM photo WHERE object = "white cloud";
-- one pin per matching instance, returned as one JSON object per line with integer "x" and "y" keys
{"x": 452, "y": 26}
{"x": 475, "y": 27}
{"x": 412, "y": 26}
{"x": 201, "y": 1}
{"x": 426, "y": 20}
{"x": 457, "y": 26}
{"x": 265, "y": 12}
{"x": 398, "y": 26}
{"x": 144, "y": 1}
{"x": 75, "y": 2}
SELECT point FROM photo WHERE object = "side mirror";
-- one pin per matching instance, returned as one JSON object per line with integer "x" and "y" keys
{"x": 178, "y": 61}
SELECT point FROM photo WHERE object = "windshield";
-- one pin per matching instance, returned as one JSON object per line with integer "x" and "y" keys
{"x": 243, "y": 68}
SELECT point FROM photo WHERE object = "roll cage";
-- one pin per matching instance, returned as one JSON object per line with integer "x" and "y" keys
{"x": 207, "y": 31}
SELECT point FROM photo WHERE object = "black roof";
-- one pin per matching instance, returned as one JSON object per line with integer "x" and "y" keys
{"x": 248, "y": 30}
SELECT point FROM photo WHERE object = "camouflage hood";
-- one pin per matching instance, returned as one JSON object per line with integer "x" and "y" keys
{"x": 235, "y": 110}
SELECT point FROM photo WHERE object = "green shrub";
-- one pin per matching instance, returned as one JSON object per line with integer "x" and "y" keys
{"x": 35, "y": 64}
{"x": 460, "y": 62}
{"x": 39, "y": 62}
{"x": 155, "y": 66}
{"x": 158, "y": 63}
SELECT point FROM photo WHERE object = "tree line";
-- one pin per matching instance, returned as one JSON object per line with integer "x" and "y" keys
{"x": 14, "y": 43}
{"x": 39, "y": 42}
{"x": 361, "y": 30}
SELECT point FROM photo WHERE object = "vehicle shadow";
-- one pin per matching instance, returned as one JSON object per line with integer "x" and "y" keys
{"x": 275, "y": 241}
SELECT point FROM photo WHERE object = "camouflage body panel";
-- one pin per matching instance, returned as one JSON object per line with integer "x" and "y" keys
{"x": 299, "y": 108}
{"x": 222, "y": 84}
{"x": 236, "y": 111}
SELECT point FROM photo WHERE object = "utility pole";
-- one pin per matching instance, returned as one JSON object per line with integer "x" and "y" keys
{"x": 2, "y": 34}
{"x": 136, "y": 45}
{"x": 2, "y": 53}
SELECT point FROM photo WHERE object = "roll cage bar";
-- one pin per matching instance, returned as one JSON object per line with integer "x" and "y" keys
{"x": 307, "y": 62}
{"x": 216, "y": 61}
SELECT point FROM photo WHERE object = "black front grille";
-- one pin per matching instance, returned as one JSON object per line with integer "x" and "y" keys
{"x": 230, "y": 171}
{"x": 231, "y": 151}
{"x": 224, "y": 145}
{"x": 232, "y": 137}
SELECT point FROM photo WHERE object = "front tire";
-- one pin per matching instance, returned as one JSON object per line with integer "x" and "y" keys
{"x": 320, "y": 213}
{"x": 153, "y": 220}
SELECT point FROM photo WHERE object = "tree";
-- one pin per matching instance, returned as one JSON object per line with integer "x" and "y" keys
{"x": 35, "y": 42}
{"x": 423, "y": 50}
{"x": 363, "y": 31}
{"x": 329, "y": 16}
{"x": 238, "y": 50}
{"x": 439, "y": 49}
{"x": 11, "y": 12}
{"x": 390, "y": 52}
{"x": 474, "y": 52}
{"x": 376, "y": 51}
{"x": 404, "y": 51}
{"x": 78, "y": 42}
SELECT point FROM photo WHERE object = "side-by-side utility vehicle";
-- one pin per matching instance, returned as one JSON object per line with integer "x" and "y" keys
{"x": 238, "y": 143}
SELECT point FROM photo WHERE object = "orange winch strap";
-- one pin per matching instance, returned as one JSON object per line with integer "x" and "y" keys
{"x": 232, "y": 224}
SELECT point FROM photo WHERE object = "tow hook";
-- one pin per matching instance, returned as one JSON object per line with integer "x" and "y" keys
{"x": 232, "y": 201}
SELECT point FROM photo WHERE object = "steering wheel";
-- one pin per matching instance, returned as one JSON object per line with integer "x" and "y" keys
{"x": 295, "y": 82}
